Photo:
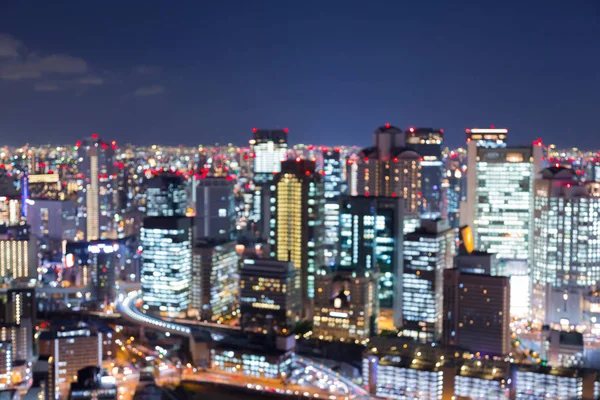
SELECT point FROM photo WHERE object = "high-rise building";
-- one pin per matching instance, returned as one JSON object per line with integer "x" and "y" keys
{"x": 269, "y": 297}
{"x": 428, "y": 143}
{"x": 389, "y": 169}
{"x": 104, "y": 259}
{"x": 344, "y": 304}
{"x": 166, "y": 196}
{"x": 53, "y": 220}
{"x": 566, "y": 244}
{"x": 17, "y": 304}
{"x": 10, "y": 202}
{"x": 499, "y": 205}
{"x": 476, "y": 314}
{"x": 215, "y": 281}
{"x": 268, "y": 149}
{"x": 97, "y": 195}
{"x": 21, "y": 336}
{"x": 18, "y": 257}
{"x": 296, "y": 226}
{"x": 93, "y": 384}
{"x": 371, "y": 239}
{"x": 215, "y": 208}
{"x": 42, "y": 187}
{"x": 332, "y": 181}
{"x": 71, "y": 349}
{"x": 167, "y": 263}
{"x": 428, "y": 251}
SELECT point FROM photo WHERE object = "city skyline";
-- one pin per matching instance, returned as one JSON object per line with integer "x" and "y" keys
{"x": 329, "y": 73}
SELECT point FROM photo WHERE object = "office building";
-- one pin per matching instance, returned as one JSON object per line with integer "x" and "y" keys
{"x": 471, "y": 261}
{"x": 5, "y": 364}
{"x": 476, "y": 312}
{"x": 215, "y": 208}
{"x": 566, "y": 244}
{"x": 428, "y": 143}
{"x": 166, "y": 267}
{"x": 500, "y": 198}
{"x": 270, "y": 300}
{"x": 332, "y": 183}
{"x": 52, "y": 220}
{"x": 20, "y": 335}
{"x": 97, "y": 193}
{"x": 344, "y": 304}
{"x": 71, "y": 348}
{"x": 166, "y": 196}
{"x": 18, "y": 257}
{"x": 389, "y": 169}
{"x": 268, "y": 149}
{"x": 371, "y": 239}
{"x": 428, "y": 251}
{"x": 214, "y": 291}
{"x": 42, "y": 187}
{"x": 17, "y": 304}
{"x": 296, "y": 224}
{"x": 105, "y": 261}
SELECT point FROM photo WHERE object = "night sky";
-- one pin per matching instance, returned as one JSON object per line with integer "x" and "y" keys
{"x": 209, "y": 71}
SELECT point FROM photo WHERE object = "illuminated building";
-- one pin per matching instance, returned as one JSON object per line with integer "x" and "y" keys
{"x": 252, "y": 356}
{"x": 371, "y": 239}
{"x": 215, "y": 280}
{"x": 5, "y": 363}
{"x": 97, "y": 196}
{"x": 269, "y": 297}
{"x": 71, "y": 348}
{"x": 20, "y": 335}
{"x": 269, "y": 149}
{"x": 104, "y": 256}
{"x": 215, "y": 208}
{"x": 453, "y": 190}
{"x": 10, "y": 210}
{"x": 566, "y": 244}
{"x": 548, "y": 383}
{"x": 17, "y": 304}
{"x": 18, "y": 258}
{"x": 43, "y": 187}
{"x": 53, "y": 220}
{"x": 389, "y": 169}
{"x": 428, "y": 251}
{"x": 296, "y": 224}
{"x": 167, "y": 262}
{"x": 562, "y": 348}
{"x": 428, "y": 142}
{"x": 332, "y": 183}
{"x": 344, "y": 304}
{"x": 476, "y": 312}
{"x": 500, "y": 193}
{"x": 166, "y": 196}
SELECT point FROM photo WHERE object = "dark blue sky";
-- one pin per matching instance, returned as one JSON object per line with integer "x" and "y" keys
{"x": 331, "y": 71}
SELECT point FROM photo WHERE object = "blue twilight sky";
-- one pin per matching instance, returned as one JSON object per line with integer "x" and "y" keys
{"x": 209, "y": 71}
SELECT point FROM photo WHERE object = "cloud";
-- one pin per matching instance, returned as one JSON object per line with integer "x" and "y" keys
{"x": 91, "y": 80}
{"x": 146, "y": 69}
{"x": 46, "y": 87}
{"x": 9, "y": 47}
{"x": 152, "y": 90}
{"x": 17, "y": 62}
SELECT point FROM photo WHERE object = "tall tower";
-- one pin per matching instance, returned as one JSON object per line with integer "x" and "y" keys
{"x": 215, "y": 208}
{"x": 296, "y": 227}
{"x": 566, "y": 244}
{"x": 428, "y": 143}
{"x": 332, "y": 180}
{"x": 97, "y": 194}
{"x": 269, "y": 149}
{"x": 389, "y": 169}
{"x": 166, "y": 196}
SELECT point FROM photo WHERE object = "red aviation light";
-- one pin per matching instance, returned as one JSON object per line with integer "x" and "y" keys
{"x": 254, "y": 130}
{"x": 395, "y": 159}
{"x": 366, "y": 159}
{"x": 387, "y": 126}
{"x": 94, "y": 136}
{"x": 286, "y": 130}
{"x": 412, "y": 129}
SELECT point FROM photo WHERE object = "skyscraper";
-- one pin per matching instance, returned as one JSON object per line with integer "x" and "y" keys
{"x": 269, "y": 149}
{"x": 500, "y": 184}
{"x": 166, "y": 196}
{"x": 428, "y": 251}
{"x": 296, "y": 225}
{"x": 167, "y": 262}
{"x": 566, "y": 244}
{"x": 428, "y": 143}
{"x": 332, "y": 181}
{"x": 269, "y": 298}
{"x": 390, "y": 169}
{"x": 215, "y": 280}
{"x": 371, "y": 239}
{"x": 97, "y": 194}
{"x": 215, "y": 208}
{"x": 344, "y": 304}
{"x": 476, "y": 313}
